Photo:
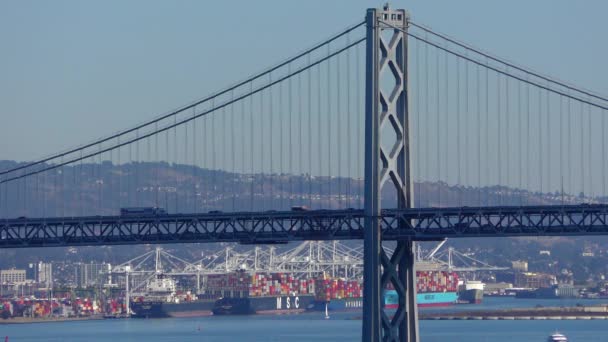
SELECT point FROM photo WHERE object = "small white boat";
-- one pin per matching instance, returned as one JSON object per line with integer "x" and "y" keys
{"x": 326, "y": 312}
{"x": 557, "y": 337}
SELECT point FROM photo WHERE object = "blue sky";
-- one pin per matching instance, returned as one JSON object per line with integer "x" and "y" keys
{"x": 72, "y": 71}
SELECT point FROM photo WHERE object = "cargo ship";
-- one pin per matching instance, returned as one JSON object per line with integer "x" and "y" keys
{"x": 160, "y": 300}
{"x": 260, "y": 293}
{"x": 337, "y": 294}
{"x": 434, "y": 288}
{"x": 263, "y": 305}
{"x": 554, "y": 292}
{"x": 470, "y": 292}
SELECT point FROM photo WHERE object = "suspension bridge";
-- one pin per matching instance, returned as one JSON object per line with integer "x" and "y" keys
{"x": 387, "y": 130}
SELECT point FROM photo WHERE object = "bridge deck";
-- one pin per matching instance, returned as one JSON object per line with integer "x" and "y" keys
{"x": 285, "y": 226}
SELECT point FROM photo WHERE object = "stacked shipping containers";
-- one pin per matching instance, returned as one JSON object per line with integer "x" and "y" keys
{"x": 328, "y": 289}
{"x": 434, "y": 281}
{"x": 241, "y": 284}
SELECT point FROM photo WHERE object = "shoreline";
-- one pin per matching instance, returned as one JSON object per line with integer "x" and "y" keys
{"x": 27, "y": 320}
{"x": 544, "y": 313}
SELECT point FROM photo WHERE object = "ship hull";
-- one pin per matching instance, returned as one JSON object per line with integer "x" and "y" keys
{"x": 472, "y": 296}
{"x": 158, "y": 309}
{"x": 433, "y": 299}
{"x": 262, "y": 305}
{"x": 343, "y": 304}
{"x": 426, "y": 299}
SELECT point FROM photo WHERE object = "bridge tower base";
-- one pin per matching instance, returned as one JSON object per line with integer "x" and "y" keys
{"x": 386, "y": 108}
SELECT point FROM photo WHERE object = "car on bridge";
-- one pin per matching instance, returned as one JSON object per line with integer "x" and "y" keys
{"x": 142, "y": 211}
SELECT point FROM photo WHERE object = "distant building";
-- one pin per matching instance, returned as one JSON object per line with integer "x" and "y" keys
{"x": 12, "y": 276}
{"x": 521, "y": 266}
{"x": 45, "y": 273}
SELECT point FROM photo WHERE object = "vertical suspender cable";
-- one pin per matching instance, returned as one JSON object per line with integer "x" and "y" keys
{"x": 242, "y": 157}
{"x": 251, "y": 143}
{"x": 548, "y": 127}
{"x": 467, "y": 161}
{"x": 417, "y": 137}
{"x": 243, "y": 162}
{"x": 569, "y": 144}
{"x": 561, "y": 146}
{"x": 187, "y": 192}
{"x": 478, "y": 136}
{"x": 195, "y": 168}
{"x": 100, "y": 182}
{"x": 81, "y": 186}
{"x": 232, "y": 146}
{"x": 499, "y": 137}
{"x": 348, "y": 126}
{"x": 487, "y": 133}
{"x": 168, "y": 167}
{"x": 120, "y": 173}
{"x": 308, "y": 73}
{"x": 62, "y": 199}
{"x": 582, "y": 169}
{"x": 110, "y": 178}
{"x": 540, "y": 141}
{"x": 300, "y": 156}
{"x": 3, "y": 199}
{"x": 215, "y": 197}
{"x": 328, "y": 115}
{"x": 56, "y": 189}
{"x": 507, "y": 135}
{"x": 262, "y": 193}
{"x": 446, "y": 94}
{"x": 339, "y": 141}
{"x": 290, "y": 123}
{"x": 589, "y": 138}
{"x": 438, "y": 126}
{"x": 270, "y": 134}
{"x": 281, "y": 189}
{"x": 528, "y": 144}
{"x": 319, "y": 128}
{"x": 603, "y": 134}
{"x": 458, "y": 181}
{"x": 224, "y": 157}
{"x": 158, "y": 164}
{"x": 24, "y": 197}
{"x": 427, "y": 123}
{"x": 359, "y": 119}
{"x": 175, "y": 169}
{"x": 519, "y": 142}
{"x": 38, "y": 195}
{"x": 130, "y": 176}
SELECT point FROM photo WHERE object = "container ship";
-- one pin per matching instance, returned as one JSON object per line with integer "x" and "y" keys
{"x": 434, "y": 288}
{"x": 337, "y": 295}
{"x": 161, "y": 300}
{"x": 470, "y": 292}
{"x": 260, "y": 293}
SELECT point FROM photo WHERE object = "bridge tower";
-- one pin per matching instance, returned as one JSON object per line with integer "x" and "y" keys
{"x": 386, "y": 108}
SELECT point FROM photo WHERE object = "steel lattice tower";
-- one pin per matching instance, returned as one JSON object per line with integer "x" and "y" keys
{"x": 386, "y": 56}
